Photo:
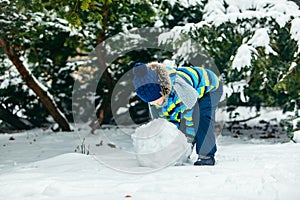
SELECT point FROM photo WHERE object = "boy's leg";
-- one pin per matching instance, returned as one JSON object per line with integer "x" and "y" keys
{"x": 205, "y": 138}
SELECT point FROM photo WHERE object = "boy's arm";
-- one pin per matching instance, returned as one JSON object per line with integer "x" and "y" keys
{"x": 186, "y": 92}
{"x": 185, "y": 115}
{"x": 157, "y": 113}
{"x": 187, "y": 125}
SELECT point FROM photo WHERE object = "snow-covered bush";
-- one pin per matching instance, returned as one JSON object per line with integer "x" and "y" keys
{"x": 254, "y": 41}
{"x": 254, "y": 45}
{"x": 43, "y": 42}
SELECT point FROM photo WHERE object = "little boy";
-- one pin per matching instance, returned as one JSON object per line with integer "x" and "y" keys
{"x": 187, "y": 97}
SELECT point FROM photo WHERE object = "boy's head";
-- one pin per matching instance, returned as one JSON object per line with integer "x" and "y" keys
{"x": 151, "y": 81}
{"x": 146, "y": 83}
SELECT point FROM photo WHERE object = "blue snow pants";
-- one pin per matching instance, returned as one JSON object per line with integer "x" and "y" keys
{"x": 204, "y": 120}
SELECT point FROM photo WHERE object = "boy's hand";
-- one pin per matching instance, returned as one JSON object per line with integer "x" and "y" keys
{"x": 190, "y": 139}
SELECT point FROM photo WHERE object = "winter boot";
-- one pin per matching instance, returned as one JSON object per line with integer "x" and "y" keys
{"x": 205, "y": 160}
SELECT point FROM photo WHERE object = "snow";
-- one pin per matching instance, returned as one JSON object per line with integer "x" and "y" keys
{"x": 295, "y": 31}
{"x": 281, "y": 10}
{"x": 185, "y": 3}
{"x": 4, "y": 21}
{"x": 296, "y": 136}
{"x": 4, "y": 84}
{"x": 11, "y": 76}
{"x": 214, "y": 6}
{"x": 45, "y": 90}
{"x": 40, "y": 164}
{"x": 243, "y": 57}
{"x": 291, "y": 69}
{"x": 242, "y": 4}
{"x": 158, "y": 24}
{"x": 185, "y": 49}
{"x": 235, "y": 87}
{"x": 5, "y": 1}
{"x": 121, "y": 110}
{"x": 168, "y": 62}
{"x": 271, "y": 115}
{"x": 261, "y": 39}
{"x": 296, "y": 121}
{"x": 172, "y": 34}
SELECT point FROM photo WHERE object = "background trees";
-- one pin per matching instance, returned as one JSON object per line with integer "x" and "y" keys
{"x": 32, "y": 41}
{"x": 254, "y": 45}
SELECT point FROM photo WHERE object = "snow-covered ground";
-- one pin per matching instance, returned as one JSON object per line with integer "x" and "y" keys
{"x": 40, "y": 164}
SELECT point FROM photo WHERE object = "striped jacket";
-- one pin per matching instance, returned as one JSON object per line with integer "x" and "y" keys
{"x": 202, "y": 80}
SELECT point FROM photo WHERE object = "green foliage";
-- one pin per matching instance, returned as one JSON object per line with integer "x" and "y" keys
{"x": 50, "y": 35}
{"x": 43, "y": 41}
{"x": 270, "y": 81}
{"x": 116, "y": 17}
{"x": 85, "y": 4}
{"x": 287, "y": 126}
{"x": 39, "y": 33}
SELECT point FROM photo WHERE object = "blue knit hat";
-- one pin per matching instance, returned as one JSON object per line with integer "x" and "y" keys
{"x": 146, "y": 83}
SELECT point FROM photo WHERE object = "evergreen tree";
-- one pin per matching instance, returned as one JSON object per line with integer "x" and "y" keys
{"x": 253, "y": 46}
{"x": 26, "y": 34}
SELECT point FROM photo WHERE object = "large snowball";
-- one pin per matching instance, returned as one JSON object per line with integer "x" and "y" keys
{"x": 159, "y": 144}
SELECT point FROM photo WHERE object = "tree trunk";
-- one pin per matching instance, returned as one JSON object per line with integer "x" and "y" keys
{"x": 45, "y": 97}
{"x": 104, "y": 111}
{"x": 13, "y": 120}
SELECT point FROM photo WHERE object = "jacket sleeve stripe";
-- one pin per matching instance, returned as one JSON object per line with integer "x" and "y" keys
{"x": 202, "y": 90}
{"x": 194, "y": 75}
{"x": 172, "y": 108}
{"x": 187, "y": 76}
{"x": 195, "y": 71}
{"x": 205, "y": 76}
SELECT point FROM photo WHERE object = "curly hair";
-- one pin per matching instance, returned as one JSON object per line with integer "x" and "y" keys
{"x": 163, "y": 77}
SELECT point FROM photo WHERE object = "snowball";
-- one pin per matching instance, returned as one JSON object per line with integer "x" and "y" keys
{"x": 296, "y": 136}
{"x": 159, "y": 144}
